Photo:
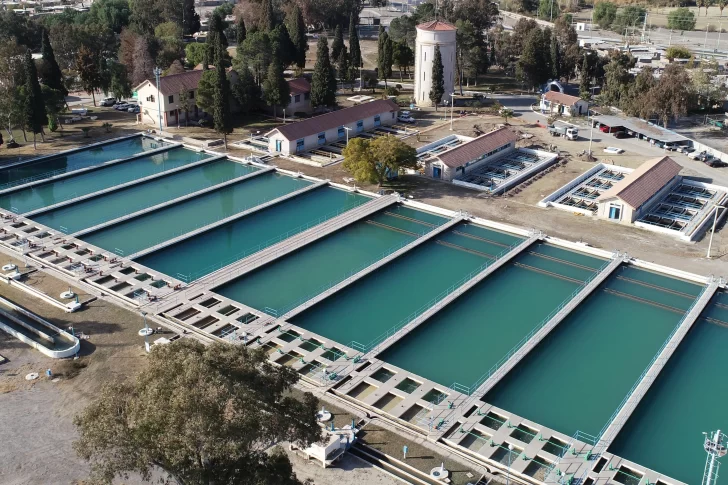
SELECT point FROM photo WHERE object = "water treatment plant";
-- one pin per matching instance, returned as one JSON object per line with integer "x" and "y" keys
{"x": 562, "y": 362}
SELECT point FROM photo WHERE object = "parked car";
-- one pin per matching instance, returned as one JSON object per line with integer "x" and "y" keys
{"x": 671, "y": 147}
{"x": 134, "y": 108}
{"x": 613, "y": 150}
{"x": 620, "y": 134}
{"x": 695, "y": 155}
{"x": 715, "y": 162}
{"x": 405, "y": 119}
{"x": 123, "y": 106}
{"x": 108, "y": 102}
{"x": 686, "y": 149}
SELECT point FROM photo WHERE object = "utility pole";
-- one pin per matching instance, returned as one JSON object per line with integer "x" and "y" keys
{"x": 157, "y": 73}
{"x": 715, "y": 222}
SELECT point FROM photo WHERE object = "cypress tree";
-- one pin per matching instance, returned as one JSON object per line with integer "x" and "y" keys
{"x": 342, "y": 67}
{"x": 246, "y": 91}
{"x": 337, "y": 44}
{"x": 268, "y": 19}
{"x": 438, "y": 78}
{"x": 221, "y": 101}
{"x": 323, "y": 82}
{"x": 384, "y": 55}
{"x": 35, "y": 112}
{"x": 206, "y": 59}
{"x": 354, "y": 48}
{"x": 216, "y": 40}
{"x": 297, "y": 31}
{"x": 555, "y": 58}
{"x": 584, "y": 91}
{"x": 241, "y": 32}
{"x": 52, "y": 75}
{"x": 275, "y": 88}
{"x": 190, "y": 18}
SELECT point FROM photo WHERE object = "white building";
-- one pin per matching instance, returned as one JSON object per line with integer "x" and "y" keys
{"x": 323, "y": 129}
{"x": 556, "y": 103}
{"x": 431, "y": 35}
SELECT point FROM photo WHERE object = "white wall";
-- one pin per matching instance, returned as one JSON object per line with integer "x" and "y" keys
{"x": 425, "y": 45}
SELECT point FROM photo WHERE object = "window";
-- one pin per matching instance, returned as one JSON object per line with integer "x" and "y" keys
{"x": 299, "y": 145}
{"x": 321, "y": 138}
{"x": 615, "y": 211}
{"x": 307, "y": 96}
{"x": 171, "y": 113}
{"x": 392, "y": 114}
{"x": 360, "y": 125}
{"x": 377, "y": 120}
{"x": 170, "y": 98}
{"x": 150, "y": 98}
{"x": 341, "y": 132}
{"x": 192, "y": 95}
{"x": 297, "y": 99}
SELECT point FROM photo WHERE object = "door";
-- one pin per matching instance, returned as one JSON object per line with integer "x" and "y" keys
{"x": 436, "y": 172}
{"x": 279, "y": 145}
{"x": 615, "y": 212}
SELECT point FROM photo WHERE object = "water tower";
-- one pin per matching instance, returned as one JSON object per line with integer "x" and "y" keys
{"x": 429, "y": 36}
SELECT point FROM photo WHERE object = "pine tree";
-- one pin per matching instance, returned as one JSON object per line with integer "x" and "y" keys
{"x": 190, "y": 18}
{"x": 52, "y": 75}
{"x": 281, "y": 45}
{"x": 555, "y": 58}
{"x": 35, "y": 112}
{"x": 275, "y": 88}
{"x": 241, "y": 32}
{"x": 337, "y": 44}
{"x": 246, "y": 91}
{"x": 438, "y": 78}
{"x": 297, "y": 31}
{"x": 354, "y": 48}
{"x": 268, "y": 18}
{"x": 384, "y": 55}
{"x": 221, "y": 101}
{"x": 323, "y": 82}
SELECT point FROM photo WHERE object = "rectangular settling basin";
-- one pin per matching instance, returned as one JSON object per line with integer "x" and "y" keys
{"x": 84, "y": 158}
{"x": 156, "y": 227}
{"x": 688, "y": 398}
{"x": 43, "y": 195}
{"x": 324, "y": 263}
{"x": 476, "y": 331}
{"x": 98, "y": 210}
{"x": 211, "y": 250}
{"x": 578, "y": 375}
{"x": 360, "y": 314}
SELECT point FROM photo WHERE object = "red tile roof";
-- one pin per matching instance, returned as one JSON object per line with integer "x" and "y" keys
{"x": 561, "y": 98}
{"x": 337, "y": 118}
{"x": 299, "y": 85}
{"x": 176, "y": 83}
{"x": 467, "y": 152}
{"x": 436, "y": 25}
{"x": 639, "y": 186}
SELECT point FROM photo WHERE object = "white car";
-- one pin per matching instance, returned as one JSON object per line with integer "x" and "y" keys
{"x": 613, "y": 150}
{"x": 405, "y": 119}
{"x": 108, "y": 102}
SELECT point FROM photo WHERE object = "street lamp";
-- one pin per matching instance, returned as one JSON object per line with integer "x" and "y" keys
{"x": 146, "y": 331}
{"x": 591, "y": 134}
{"x": 452, "y": 107}
{"x": 157, "y": 73}
{"x": 347, "y": 130}
{"x": 508, "y": 477}
{"x": 715, "y": 221}
{"x": 284, "y": 116}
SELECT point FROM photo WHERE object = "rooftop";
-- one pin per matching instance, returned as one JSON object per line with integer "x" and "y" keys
{"x": 177, "y": 83}
{"x": 337, "y": 118}
{"x": 436, "y": 25}
{"x": 299, "y": 85}
{"x": 639, "y": 186}
{"x": 467, "y": 152}
{"x": 561, "y": 98}
{"x": 641, "y": 126}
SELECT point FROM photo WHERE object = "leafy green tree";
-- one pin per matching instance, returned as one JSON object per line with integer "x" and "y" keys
{"x": 55, "y": 103}
{"x": 505, "y": 114}
{"x": 384, "y": 56}
{"x": 547, "y": 9}
{"x": 241, "y": 32}
{"x": 672, "y": 95}
{"x": 402, "y": 29}
{"x": 190, "y": 18}
{"x": 630, "y": 16}
{"x": 202, "y": 414}
{"x": 354, "y": 48}
{"x": 678, "y": 52}
{"x": 120, "y": 84}
{"x": 12, "y": 79}
{"x": 438, "y": 78}
{"x": 169, "y": 40}
{"x": 403, "y": 57}
{"x": 604, "y": 14}
{"x": 112, "y": 14}
{"x": 256, "y": 52}
{"x": 87, "y": 65}
{"x": 323, "y": 81}
{"x": 297, "y": 32}
{"x": 616, "y": 82}
{"x": 204, "y": 97}
{"x": 338, "y": 43}
{"x": 706, "y": 85}
{"x": 372, "y": 161}
{"x": 194, "y": 52}
{"x": 35, "y": 113}
{"x": 245, "y": 90}
{"x": 533, "y": 66}
{"x": 637, "y": 102}
{"x": 275, "y": 87}
{"x": 222, "y": 118}
{"x": 471, "y": 52}
{"x": 51, "y": 73}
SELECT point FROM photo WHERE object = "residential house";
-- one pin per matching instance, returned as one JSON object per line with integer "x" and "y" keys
{"x": 555, "y": 103}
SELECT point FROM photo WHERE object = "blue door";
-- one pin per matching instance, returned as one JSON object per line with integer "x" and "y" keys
{"x": 614, "y": 212}
{"x": 436, "y": 172}
{"x": 279, "y": 145}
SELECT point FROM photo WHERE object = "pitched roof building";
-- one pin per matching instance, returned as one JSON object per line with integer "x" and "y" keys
{"x": 564, "y": 104}
{"x": 477, "y": 148}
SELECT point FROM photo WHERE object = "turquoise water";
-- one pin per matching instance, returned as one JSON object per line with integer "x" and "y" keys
{"x": 477, "y": 330}
{"x": 326, "y": 262}
{"x": 688, "y": 398}
{"x": 89, "y": 157}
{"x": 95, "y": 211}
{"x": 202, "y": 254}
{"x": 131, "y": 236}
{"x": 43, "y": 195}
{"x": 366, "y": 309}
{"x": 578, "y": 375}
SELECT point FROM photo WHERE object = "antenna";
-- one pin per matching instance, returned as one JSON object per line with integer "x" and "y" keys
{"x": 715, "y": 448}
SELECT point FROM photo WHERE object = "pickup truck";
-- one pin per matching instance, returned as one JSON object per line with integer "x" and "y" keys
{"x": 565, "y": 131}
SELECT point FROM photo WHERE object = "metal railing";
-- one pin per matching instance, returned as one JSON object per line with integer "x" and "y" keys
{"x": 468, "y": 390}
{"x": 434, "y": 303}
{"x": 188, "y": 278}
